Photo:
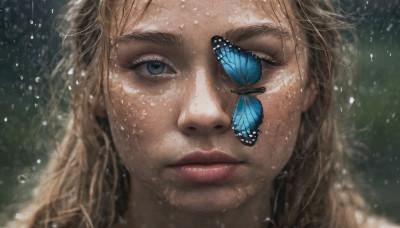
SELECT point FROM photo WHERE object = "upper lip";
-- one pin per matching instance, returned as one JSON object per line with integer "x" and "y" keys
{"x": 205, "y": 157}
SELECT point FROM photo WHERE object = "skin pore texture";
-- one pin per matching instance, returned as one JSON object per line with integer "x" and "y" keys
{"x": 157, "y": 119}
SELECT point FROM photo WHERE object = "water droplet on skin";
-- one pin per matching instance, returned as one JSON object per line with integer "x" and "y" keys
{"x": 21, "y": 179}
{"x": 152, "y": 103}
{"x": 181, "y": 26}
{"x": 196, "y": 22}
{"x": 208, "y": 13}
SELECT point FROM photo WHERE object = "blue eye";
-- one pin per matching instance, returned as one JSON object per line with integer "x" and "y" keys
{"x": 152, "y": 68}
{"x": 155, "y": 67}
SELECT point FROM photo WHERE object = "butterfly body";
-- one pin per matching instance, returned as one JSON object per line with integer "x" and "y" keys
{"x": 245, "y": 69}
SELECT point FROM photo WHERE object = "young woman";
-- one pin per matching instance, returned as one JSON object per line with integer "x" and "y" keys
{"x": 157, "y": 88}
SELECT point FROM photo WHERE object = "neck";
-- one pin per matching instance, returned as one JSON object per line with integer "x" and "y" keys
{"x": 148, "y": 210}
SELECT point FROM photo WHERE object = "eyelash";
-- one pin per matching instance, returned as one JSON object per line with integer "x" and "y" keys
{"x": 136, "y": 63}
{"x": 269, "y": 60}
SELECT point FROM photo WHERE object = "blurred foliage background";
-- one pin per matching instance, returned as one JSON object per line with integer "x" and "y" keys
{"x": 29, "y": 41}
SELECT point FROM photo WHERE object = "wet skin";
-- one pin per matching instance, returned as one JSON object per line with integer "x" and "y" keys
{"x": 167, "y": 97}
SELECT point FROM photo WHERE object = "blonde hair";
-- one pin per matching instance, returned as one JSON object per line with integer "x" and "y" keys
{"x": 85, "y": 174}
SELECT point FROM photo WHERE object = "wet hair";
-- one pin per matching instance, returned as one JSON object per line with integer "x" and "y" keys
{"x": 85, "y": 174}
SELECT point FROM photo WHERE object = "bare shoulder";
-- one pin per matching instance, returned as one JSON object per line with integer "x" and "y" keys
{"x": 376, "y": 222}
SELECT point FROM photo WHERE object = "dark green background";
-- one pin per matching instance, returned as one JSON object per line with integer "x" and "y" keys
{"x": 372, "y": 122}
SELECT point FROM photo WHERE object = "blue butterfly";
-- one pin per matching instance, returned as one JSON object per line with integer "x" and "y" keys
{"x": 245, "y": 69}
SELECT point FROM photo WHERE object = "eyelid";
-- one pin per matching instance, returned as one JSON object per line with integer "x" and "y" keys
{"x": 145, "y": 59}
{"x": 274, "y": 61}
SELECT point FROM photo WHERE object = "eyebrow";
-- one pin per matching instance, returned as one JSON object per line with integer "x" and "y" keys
{"x": 169, "y": 39}
{"x": 243, "y": 33}
{"x": 235, "y": 35}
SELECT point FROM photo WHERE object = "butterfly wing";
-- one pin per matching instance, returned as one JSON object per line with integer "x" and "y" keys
{"x": 242, "y": 66}
{"x": 246, "y": 119}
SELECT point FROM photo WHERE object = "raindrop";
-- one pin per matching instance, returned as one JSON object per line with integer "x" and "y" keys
{"x": 17, "y": 64}
{"x": 351, "y": 100}
{"x": 52, "y": 10}
{"x": 5, "y": 119}
{"x": 31, "y": 22}
{"x": 386, "y": 182}
{"x": 30, "y": 87}
{"x": 21, "y": 77}
{"x": 37, "y": 79}
{"x": 371, "y": 57}
{"x": 32, "y": 37}
{"x": 389, "y": 27}
{"x": 44, "y": 123}
{"x": 69, "y": 87}
{"x": 21, "y": 179}
{"x": 18, "y": 216}
{"x": 70, "y": 71}
{"x": 38, "y": 161}
{"x": 387, "y": 121}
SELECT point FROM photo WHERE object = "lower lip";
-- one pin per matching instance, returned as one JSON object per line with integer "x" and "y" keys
{"x": 206, "y": 173}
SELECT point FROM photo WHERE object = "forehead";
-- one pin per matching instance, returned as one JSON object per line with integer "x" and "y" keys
{"x": 200, "y": 16}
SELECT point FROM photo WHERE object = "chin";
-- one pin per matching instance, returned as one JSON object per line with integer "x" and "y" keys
{"x": 207, "y": 200}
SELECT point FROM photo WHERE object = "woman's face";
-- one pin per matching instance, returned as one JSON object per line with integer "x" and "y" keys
{"x": 170, "y": 105}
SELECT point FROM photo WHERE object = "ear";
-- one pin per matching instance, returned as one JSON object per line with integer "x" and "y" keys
{"x": 99, "y": 108}
{"x": 310, "y": 94}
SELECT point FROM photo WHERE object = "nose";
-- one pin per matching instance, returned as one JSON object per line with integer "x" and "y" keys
{"x": 203, "y": 110}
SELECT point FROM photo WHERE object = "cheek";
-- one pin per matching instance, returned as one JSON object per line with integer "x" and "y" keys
{"x": 278, "y": 133}
{"x": 139, "y": 122}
